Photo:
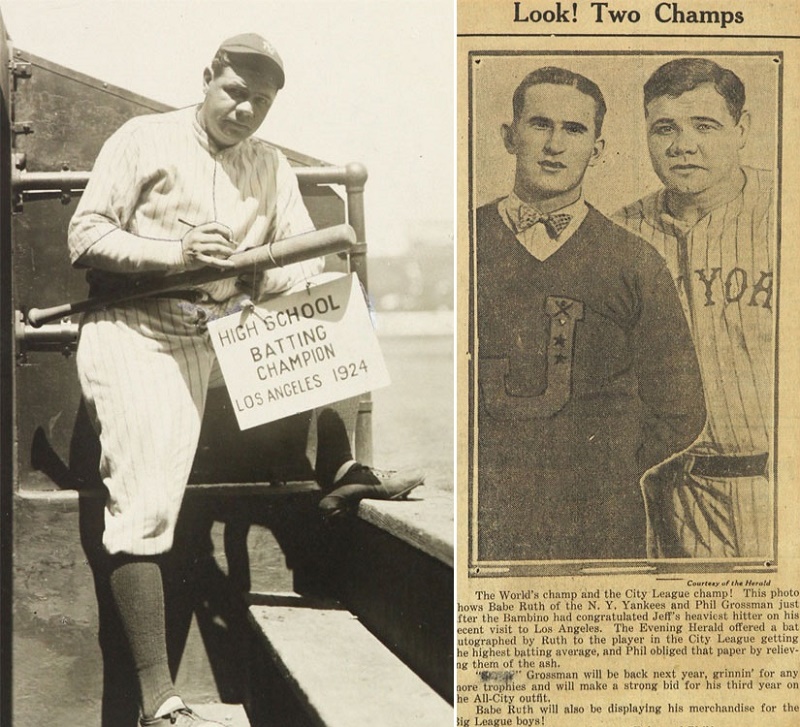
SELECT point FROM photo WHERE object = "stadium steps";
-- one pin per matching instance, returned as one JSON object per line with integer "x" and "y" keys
{"x": 373, "y": 645}
{"x": 324, "y": 667}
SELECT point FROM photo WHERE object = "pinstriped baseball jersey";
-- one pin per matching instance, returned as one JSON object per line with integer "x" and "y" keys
{"x": 723, "y": 269}
{"x": 144, "y": 366}
{"x": 159, "y": 169}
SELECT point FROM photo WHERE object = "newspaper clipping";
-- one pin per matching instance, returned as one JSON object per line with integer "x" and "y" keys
{"x": 628, "y": 483}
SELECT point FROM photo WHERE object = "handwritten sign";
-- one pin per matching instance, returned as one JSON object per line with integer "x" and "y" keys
{"x": 298, "y": 352}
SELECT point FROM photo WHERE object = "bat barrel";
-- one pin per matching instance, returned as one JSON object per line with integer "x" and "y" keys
{"x": 294, "y": 249}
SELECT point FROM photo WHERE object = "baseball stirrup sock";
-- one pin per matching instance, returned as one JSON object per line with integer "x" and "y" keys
{"x": 138, "y": 593}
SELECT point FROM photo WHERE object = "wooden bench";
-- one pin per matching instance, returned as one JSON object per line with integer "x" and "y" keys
{"x": 339, "y": 674}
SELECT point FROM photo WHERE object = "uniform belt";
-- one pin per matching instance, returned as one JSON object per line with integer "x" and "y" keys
{"x": 734, "y": 465}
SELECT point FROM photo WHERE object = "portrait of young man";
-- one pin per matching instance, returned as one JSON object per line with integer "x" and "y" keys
{"x": 585, "y": 371}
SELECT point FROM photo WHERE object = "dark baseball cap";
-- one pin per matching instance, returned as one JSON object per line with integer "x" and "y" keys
{"x": 254, "y": 45}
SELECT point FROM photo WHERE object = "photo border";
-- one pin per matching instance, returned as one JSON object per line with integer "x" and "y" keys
{"x": 500, "y": 569}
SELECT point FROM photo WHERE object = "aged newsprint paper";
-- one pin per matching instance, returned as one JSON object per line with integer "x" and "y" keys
{"x": 628, "y": 310}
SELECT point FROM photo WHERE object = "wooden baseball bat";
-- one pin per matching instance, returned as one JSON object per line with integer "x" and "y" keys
{"x": 277, "y": 254}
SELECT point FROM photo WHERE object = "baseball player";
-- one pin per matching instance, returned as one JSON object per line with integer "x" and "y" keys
{"x": 173, "y": 192}
{"x": 713, "y": 223}
{"x": 586, "y": 370}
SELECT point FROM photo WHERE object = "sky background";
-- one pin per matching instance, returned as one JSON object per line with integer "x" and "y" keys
{"x": 366, "y": 80}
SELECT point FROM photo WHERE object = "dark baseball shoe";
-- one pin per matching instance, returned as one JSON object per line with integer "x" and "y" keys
{"x": 182, "y": 717}
{"x": 361, "y": 483}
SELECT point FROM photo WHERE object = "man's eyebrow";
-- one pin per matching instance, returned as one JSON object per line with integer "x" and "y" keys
{"x": 545, "y": 121}
{"x": 694, "y": 119}
{"x": 707, "y": 118}
{"x": 575, "y": 125}
{"x": 542, "y": 120}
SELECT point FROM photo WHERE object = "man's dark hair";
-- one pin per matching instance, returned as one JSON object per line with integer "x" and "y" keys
{"x": 682, "y": 75}
{"x": 221, "y": 61}
{"x": 562, "y": 77}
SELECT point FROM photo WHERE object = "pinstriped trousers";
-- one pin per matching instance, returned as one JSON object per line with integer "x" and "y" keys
{"x": 144, "y": 370}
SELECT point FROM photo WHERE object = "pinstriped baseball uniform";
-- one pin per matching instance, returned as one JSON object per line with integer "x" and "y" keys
{"x": 723, "y": 269}
{"x": 144, "y": 366}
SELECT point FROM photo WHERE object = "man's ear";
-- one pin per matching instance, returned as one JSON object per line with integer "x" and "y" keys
{"x": 743, "y": 128}
{"x": 509, "y": 138}
{"x": 207, "y": 78}
{"x": 597, "y": 151}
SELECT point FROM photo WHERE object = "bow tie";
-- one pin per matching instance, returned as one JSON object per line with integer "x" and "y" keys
{"x": 554, "y": 224}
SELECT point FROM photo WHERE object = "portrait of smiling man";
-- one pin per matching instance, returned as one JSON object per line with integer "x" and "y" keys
{"x": 713, "y": 223}
{"x": 586, "y": 373}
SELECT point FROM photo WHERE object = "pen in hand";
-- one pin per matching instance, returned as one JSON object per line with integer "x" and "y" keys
{"x": 199, "y": 247}
{"x": 191, "y": 224}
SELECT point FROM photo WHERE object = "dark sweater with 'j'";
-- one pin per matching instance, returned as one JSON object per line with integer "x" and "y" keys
{"x": 587, "y": 377}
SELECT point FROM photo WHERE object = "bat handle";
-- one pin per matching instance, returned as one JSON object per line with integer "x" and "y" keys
{"x": 39, "y": 316}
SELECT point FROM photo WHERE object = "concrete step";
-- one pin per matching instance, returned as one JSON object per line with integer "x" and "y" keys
{"x": 339, "y": 674}
{"x": 425, "y": 521}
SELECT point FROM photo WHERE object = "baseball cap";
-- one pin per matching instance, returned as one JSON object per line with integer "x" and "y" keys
{"x": 254, "y": 44}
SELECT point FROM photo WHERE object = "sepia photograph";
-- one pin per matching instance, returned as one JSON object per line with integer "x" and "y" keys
{"x": 623, "y": 228}
{"x": 227, "y": 403}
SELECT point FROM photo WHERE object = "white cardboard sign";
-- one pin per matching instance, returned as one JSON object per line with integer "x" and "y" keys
{"x": 299, "y": 351}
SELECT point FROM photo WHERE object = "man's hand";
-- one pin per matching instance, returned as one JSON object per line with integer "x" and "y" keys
{"x": 208, "y": 244}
